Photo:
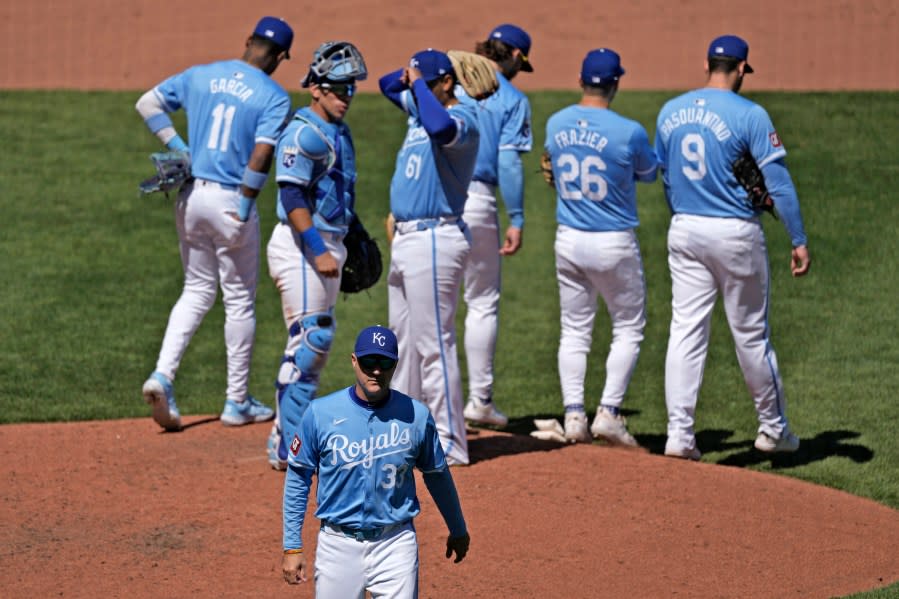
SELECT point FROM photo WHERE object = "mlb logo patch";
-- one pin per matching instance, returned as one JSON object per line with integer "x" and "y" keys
{"x": 295, "y": 445}
{"x": 775, "y": 140}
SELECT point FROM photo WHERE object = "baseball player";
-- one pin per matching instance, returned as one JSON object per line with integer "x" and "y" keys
{"x": 316, "y": 175}
{"x": 431, "y": 242}
{"x": 597, "y": 155}
{"x": 504, "y": 121}
{"x": 235, "y": 113}
{"x": 716, "y": 243}
{"x": 363, "y": 442}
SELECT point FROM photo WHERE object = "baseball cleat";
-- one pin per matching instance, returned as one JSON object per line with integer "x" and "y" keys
{"x": 576, "y": 429}
{"x": 684, "y": 453}
{"x": 484, "y": 412}
{"x": 245, "y": 412}
{"x": 159, "y": 393}
{"x": 787, "y": 443}
{"x": 612, "y": 428}
{"x": 277, "y": 453}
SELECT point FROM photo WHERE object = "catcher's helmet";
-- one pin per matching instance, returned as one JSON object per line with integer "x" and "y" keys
{"x": 335, "y": 61}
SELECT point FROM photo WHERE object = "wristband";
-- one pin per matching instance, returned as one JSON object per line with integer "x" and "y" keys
{"x": 293, "y": 551}
{"x": 176, "y": 144}
{"x": 314, "y": 241}
{"x": 246, "y": 204}
{"x": 254, "y": 179}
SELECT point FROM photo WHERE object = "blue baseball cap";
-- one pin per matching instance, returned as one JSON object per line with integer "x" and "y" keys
{"x": 601, "y": 66}
{"x": 432, "y": 63}
{"x": 732, "y": 47}
{"x": 517, "y": 38}
{"x": 376, "y": 340}
{"x": 277, "y": 30}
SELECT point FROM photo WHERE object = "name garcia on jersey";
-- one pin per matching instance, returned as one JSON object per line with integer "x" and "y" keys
{"x": 354, "y": 453}
{"x": 233, "y": 87}
{"x": 699, "y": 116}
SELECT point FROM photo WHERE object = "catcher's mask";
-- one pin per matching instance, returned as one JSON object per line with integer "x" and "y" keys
{"x": 335, "y": 61}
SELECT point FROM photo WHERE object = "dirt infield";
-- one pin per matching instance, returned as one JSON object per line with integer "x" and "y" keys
{"x": 120, "y": 509}
{"x": 116, "y": 509}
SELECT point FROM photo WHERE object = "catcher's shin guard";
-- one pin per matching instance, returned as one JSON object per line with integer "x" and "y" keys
{"x": 299, "y": 374}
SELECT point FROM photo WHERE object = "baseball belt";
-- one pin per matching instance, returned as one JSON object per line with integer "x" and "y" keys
{"x": 423, "y": 224}
{"x": 364, "y": 534}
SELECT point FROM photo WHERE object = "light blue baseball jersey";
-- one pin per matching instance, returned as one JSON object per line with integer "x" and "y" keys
{"x": 504, "y": 125}
{"x": 303, "y": 159}
{"x": 365, "y": 456}
{"x": 431, "y": 180}
{"x": 597, "y": 157}
{"x": 231, "y": 106}
{"x": 698, "y": 136}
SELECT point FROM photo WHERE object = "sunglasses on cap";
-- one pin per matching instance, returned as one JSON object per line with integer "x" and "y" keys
{"x": 369, "y": 363}
{"x": 346, "y": 90}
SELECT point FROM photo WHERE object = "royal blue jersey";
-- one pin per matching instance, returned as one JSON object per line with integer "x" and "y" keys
{"x": 504, "y": 124}
{"x": 364, "y": 455}
{"x": 698, "y": 137}
{"x": 231, "y": 106}
{"x": 319, "y": 156}
{"x": 431, "y": 180}
{"x": 597, "y": 156}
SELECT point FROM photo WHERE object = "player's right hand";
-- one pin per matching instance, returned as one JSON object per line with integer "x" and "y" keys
{"x": 512, "y": 242}
{"x": 800, "y": 261}
{"x": 293, "y": 567}
{"x": 326, "y": 266}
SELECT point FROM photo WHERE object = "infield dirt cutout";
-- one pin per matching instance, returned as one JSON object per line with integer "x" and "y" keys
{"x": 119, "y": 509}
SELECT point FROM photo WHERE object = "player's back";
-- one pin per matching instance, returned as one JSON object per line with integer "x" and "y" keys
{"x": 595, "y": 155}
{"x": 698, "y": 136}
{"x": 230, "y": 105}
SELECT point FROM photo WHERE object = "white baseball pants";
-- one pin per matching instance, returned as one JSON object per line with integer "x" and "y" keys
{"x": 482, "y": 289}
{"x": 216, "y": 250}
{"x": 589, "y": 265}
{"x": 386, "y": 567}
{"x": 426, "y": 268}
{"x": 303, "y": 290}
{"x": 708, "y": 256}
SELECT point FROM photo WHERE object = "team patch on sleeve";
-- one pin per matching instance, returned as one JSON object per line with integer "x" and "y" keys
{"x": 295, "y": 445}
{"x": 289, "y": 156}
{"x": 775, "y": 140}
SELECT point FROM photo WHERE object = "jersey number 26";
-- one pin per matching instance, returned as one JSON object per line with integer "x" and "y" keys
{"x": 582, "y": 179}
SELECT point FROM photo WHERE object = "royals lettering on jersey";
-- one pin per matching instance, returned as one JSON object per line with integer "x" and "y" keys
{"x": 597, "y": 156}
{"x": 354, "y": 445}
{"x": 431, "y": 180}
{"x": 231, "y": 106}
{"x": 698, "y": 136}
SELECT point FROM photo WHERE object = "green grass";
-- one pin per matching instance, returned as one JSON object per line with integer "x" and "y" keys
{"x": 91, "y": 271}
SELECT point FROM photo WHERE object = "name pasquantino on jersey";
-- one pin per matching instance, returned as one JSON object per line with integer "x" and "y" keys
{"x": 234, "y": 87}
{"x": 354, "y": 453}
{"x": 699, "y": 116}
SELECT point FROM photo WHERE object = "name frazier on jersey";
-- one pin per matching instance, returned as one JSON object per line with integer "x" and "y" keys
{"x": 580, "y": 137}
{"x": 700, "y": 116}
{"x": 234, "y": 87}
{"x": 396, "y": 441}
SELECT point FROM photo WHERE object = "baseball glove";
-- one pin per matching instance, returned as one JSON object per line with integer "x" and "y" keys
{"x": 749, "y": 175}
{"x": 172, "y": 170}
{"x": 362, "y": 268}
{"x": 546, "y": 169}
{"x": 475, "y": 73}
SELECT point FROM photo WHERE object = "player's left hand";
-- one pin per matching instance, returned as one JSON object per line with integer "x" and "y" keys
{"x": 800, "y": 261}
{"x": 459, "y": 545}
{"x": 512, "y": 243}
{"x": 293, "y": 567}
